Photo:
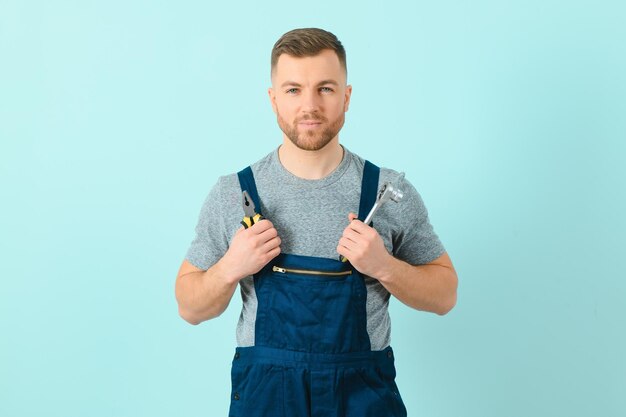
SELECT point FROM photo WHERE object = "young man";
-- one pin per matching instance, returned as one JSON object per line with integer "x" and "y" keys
{"x": 313, "y": 337}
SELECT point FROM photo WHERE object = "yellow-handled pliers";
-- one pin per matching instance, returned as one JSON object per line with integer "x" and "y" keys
{"x": 250, "y": 215}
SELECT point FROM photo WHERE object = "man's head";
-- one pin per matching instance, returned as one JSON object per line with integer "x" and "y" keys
{"x": 309, "y": 93}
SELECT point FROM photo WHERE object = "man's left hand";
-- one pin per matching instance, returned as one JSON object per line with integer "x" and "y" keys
{"x": 364, "y": 248}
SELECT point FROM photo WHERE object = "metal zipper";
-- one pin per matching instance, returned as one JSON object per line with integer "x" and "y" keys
{"x": 308, "y": 271}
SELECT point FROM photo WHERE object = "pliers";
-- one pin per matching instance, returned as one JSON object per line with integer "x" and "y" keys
{"x": 250, "y": 215}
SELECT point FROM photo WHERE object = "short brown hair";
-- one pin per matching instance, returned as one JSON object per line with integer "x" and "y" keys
{"x": 307, "y": 42}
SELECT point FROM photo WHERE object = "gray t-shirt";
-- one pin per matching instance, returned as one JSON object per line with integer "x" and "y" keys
{"x": 310, "y": 216}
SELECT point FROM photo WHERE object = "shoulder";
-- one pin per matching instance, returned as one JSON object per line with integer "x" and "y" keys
{"x": 264, "y": 165}
{"x": 227, "y": 189}
{"x": 411, "y": 197}
{"x": 397, "y": 178}
{"x": 229, "y": 183}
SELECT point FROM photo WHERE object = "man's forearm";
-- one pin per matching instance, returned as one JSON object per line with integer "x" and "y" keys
{"x": 430, "y": 287}
{"x": 204, "y": 295}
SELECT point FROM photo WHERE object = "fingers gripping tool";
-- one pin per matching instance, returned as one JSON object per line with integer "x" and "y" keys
{"x": 387, "y": 193}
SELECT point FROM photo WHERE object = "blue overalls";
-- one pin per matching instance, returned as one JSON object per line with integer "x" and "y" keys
{"x": 312, "y": 355}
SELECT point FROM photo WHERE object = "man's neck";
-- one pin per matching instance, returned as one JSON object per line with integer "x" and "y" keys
{"x": 310, "y": 165}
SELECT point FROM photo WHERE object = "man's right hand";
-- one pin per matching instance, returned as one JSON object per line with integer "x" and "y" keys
{"x": 250, "y": 250}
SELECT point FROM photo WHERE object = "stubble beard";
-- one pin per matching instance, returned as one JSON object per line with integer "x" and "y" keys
{"x": 311, "y": 140}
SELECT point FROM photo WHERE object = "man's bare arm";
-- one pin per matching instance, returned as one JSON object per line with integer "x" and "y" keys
{"x": 203, "y": 295}
{"x": 430, "y": 287}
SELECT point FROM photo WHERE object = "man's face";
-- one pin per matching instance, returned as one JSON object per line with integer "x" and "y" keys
{"x": 310, "y": 97}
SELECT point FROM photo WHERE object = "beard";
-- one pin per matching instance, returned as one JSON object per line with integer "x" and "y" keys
{"x": 315, "y": 139}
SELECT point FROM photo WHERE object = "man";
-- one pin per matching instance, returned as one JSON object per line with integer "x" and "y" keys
{"x": 314, "y": 333}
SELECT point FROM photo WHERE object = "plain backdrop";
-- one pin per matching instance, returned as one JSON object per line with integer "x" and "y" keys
{"x": 117, "y": 117}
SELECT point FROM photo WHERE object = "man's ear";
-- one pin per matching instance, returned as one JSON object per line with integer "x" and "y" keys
{"x": 347, "y": 98}
{"x": 272, "y": 96}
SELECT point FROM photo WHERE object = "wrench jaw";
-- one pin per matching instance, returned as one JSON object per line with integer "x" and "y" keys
{"x": 394, "y": 193}
{"x": 387, "y": 192}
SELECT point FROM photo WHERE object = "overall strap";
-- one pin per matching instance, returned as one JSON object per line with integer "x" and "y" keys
{"x": 246, "y": 181}
{"x": 369, "y": 189}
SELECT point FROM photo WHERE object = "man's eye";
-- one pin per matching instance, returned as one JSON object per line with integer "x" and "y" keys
{"x": 327, "y": 89}
{"x": 292, "y": 90}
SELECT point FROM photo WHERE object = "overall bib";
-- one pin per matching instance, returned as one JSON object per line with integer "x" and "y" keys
{"x": 312, "y": 355}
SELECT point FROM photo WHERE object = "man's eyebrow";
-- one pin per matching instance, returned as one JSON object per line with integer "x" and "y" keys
{"x": 295, "y": 84}
{"x": 286, "y": 83}
{"x": 328, "y": 82}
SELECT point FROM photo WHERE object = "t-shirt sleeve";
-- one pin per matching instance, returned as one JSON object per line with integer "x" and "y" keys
{"x": 210, "y": 242}
{"x": 415, "y": 241}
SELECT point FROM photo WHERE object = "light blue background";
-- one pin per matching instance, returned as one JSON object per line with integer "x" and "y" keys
{"x": 117, "y": 117}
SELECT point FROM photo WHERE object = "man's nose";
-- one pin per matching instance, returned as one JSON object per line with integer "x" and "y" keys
{"x": 310, "y": 101}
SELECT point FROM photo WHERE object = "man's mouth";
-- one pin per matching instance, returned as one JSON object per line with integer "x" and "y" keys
{"x": 310, "y": 124}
